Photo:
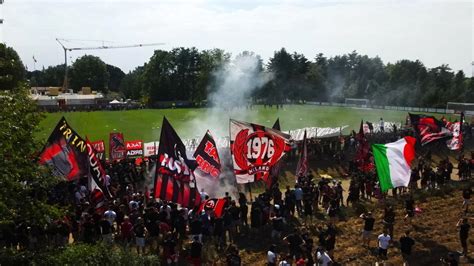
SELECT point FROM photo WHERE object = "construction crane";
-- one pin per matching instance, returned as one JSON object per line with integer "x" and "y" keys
{"x": 70, "y": 49}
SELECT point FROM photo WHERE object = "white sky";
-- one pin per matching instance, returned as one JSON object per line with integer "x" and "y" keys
{"x": 434, "y": 32}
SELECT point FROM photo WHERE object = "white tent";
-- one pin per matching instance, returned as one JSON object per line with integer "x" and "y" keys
{"x": 115, "y": 102}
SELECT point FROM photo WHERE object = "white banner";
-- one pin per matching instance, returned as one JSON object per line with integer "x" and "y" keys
{"x": 150, "y": 148}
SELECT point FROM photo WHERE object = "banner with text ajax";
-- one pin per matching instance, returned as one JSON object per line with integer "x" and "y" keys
{"x": 134, "y": 148}
{"x": 255, "y": 149}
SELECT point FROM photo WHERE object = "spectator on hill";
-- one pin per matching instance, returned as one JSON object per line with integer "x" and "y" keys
{"x": 272, "y": 256}
{"x": 464, "y": 228}
{"x": 406, "y": 244}
{"x": 368, "y": 228}
{"x": 384, "y": 242}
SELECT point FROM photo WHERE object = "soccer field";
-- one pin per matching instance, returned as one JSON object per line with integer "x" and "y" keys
{"x": 190, "y": 123}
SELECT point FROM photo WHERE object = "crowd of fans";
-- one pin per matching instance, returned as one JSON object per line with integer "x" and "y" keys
{"x": 135, "y": 221}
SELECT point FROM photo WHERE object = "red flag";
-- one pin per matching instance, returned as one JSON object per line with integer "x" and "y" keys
{"x": 302, "y": 167}
{"x": 217, "y": 205}
{"x": 363, "y": 147}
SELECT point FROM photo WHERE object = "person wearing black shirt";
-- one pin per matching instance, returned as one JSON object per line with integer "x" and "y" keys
{"x": 406, "y": 244}
{"x": 409, "y": 208}
{"x": 464, "y": 228}
{"x": 106, "y": 231}
{"x": 195, "y": 252}
{"x": 233, "y": 257}
{"x": 140, "y": 232}
{"x": 389, "y": 220}
{"x": 368, "y": 228}
{"x": 294, "y": 241}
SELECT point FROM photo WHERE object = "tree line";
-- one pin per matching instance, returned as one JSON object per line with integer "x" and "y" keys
{"x": 187, "y": 74}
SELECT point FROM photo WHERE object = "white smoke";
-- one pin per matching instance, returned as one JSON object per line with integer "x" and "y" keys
{"x": 229, "y": 97}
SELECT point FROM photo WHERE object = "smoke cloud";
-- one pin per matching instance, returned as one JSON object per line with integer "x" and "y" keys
{"x": 234, "y": 83}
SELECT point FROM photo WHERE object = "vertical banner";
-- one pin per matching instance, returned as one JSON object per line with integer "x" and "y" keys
{"x": 99, "y": 147}
{"x": 117, "y": 149}
{"x": 134, "y": 148}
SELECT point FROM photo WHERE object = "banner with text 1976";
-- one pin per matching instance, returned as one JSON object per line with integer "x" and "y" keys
{"x": 255, "y": 149}
{"x": 66, "y": 152}
{"x": 117, "y": 149}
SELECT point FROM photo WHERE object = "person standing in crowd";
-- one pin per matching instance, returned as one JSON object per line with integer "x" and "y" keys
{"x": 406, "y": 244}
{"x": 244, "y": 209}
{"x": 409, "y": 208}
{"x": 140, "y": 233}
{"x": 295, "y": 242}
{"x": 381, "y": 125}
{"x": 272, "y": 256}
{"x": 368, "y": 228}
{"x": 389, "y": 220}
{"x": 322, "y": 257}
{"x": 384, "y": 242}
{"x": 195, "y": 252}
{"x": 299, "y": 199}
{"x": 126, "y": 232}
{"x": 464, "y": 227}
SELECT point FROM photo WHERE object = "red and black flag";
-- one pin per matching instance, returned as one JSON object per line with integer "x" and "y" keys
{"x": 276, "y": 125}
{"x": 172, "y": 157}
{"x": 255, "y": 149}
{"x": 117, "y": 148}
{"x": 207, "y": 157}
{"x": 428, "y": 128}
{"x": 363, "y": 147}
{"x": 97, "y": 196}
{"x": 66, "y": 152}
{"x": 96, "y": 170}
{"x": 209, "y": 165}
{"x": 302, "y": 167}
{"x": 216, "y": 205}
{"x": 174, "y": 170}
{"x": 456, "y": 141}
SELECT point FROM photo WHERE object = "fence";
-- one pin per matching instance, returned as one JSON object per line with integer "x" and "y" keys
{"x": 387, "y": 107}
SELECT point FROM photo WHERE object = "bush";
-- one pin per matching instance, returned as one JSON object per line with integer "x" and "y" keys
{"x": 78, "y": 254}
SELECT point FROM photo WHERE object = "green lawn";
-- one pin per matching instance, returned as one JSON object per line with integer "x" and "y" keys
{"x": 145, "y": 124}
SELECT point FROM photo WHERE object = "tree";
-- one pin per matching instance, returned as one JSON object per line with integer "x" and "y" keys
{"x": 24, "y": 184}
{"x": 12, "y": 71}
{"x": 131, "y": 85}
{"x": 89, "y": 71}
{"x": 115, "y": 77}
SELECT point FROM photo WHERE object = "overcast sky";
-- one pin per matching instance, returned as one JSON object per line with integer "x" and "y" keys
{"x": 435, "y": 32}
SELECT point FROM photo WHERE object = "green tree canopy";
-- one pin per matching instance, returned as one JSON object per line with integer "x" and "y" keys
{"x": 89, "y": 71}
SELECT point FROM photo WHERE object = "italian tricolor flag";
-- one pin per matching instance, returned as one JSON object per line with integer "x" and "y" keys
{"x": 393, "y": 162}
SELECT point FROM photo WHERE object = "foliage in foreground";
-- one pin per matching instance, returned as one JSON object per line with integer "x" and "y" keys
{"x": 77, "y": 254}
{"x": 24, "y": 185}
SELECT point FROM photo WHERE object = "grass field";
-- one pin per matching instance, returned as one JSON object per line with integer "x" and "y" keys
{"x": 145, "y": 124}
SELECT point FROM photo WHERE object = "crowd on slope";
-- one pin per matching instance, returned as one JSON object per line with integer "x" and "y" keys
{"x": 137, "y": 222}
